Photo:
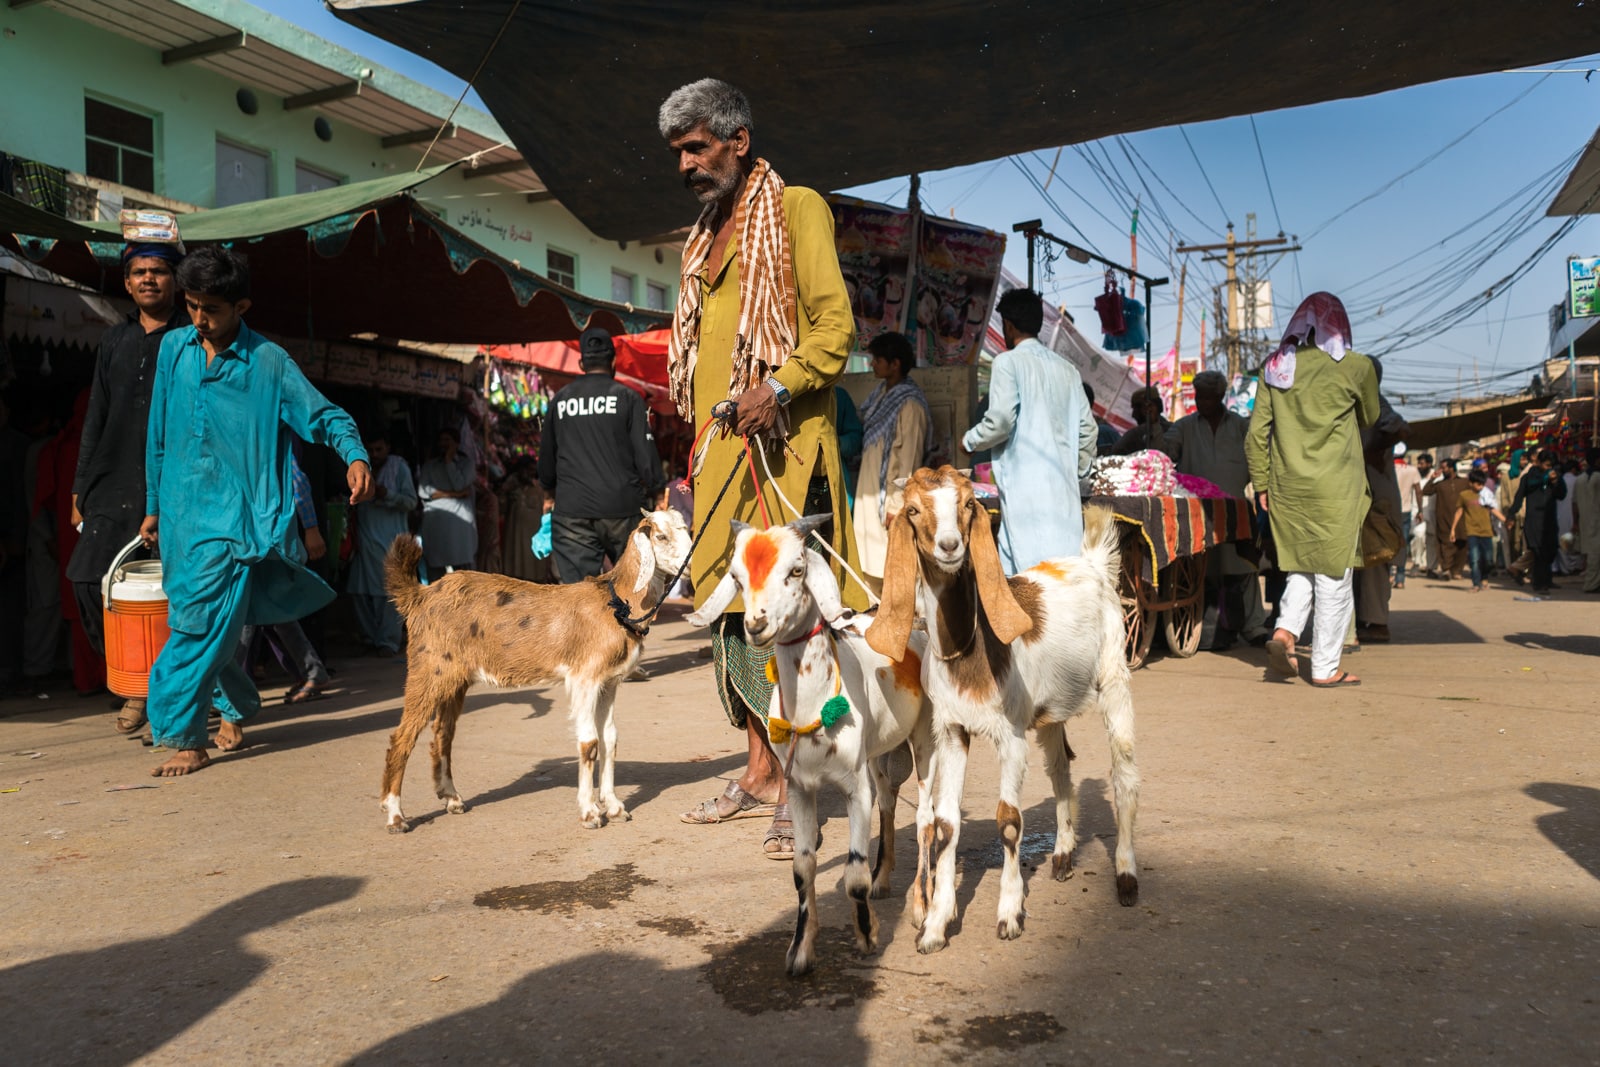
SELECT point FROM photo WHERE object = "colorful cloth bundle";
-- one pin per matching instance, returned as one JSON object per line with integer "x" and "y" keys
{"x": 1194, "y": 485}
{"x": 1147, "y": 473}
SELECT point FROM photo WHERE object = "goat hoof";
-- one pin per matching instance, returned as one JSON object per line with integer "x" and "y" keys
{"x": 591, "y": 822}
{"x": 455, "y": 805}
{"x": 928, "y": 945}
{"x": 798, "y": 966}
{"x": 1127, "y": 890}
{"x": 1008, "y": 929}
{"x": 1061, "y": 866}
{"x": 619, "y": 814}
{"x": 881, "y": 892}
{"x": 399, "y": 826}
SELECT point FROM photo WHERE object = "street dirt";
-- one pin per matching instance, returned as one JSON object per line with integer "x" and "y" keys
{"x": 1400, "y": 873}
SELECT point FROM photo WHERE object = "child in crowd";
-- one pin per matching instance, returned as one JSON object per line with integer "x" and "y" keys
{"x": 1474, "y": 519}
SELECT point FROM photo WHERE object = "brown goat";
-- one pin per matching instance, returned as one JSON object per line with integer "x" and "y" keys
{"x": 468, "y": 627}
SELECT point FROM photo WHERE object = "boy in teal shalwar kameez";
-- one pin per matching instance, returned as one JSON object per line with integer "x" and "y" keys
{"x": 219, "y": 498}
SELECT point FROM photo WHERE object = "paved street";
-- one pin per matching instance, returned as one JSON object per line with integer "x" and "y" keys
{"x": 1400, "y": 873}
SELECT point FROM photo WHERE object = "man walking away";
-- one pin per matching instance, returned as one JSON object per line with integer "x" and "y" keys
{"x": 219, "y": 500}
{"x": 109, "y": 487}
{"x": 597, "y": 462}
{"x": 1304, "y": 449}
{"x": 1041, "y": 433}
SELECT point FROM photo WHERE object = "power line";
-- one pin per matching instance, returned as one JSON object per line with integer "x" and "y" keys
{"x": 1203, "y": 173}
{"x": 1392, "y": 182}
{"x": 1263, "y": 157}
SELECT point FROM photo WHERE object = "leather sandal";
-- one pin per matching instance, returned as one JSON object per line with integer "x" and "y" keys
{"x": 745, "y": 807}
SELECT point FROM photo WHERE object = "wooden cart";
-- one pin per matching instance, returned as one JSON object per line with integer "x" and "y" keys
{"x": 1164, "y": 543}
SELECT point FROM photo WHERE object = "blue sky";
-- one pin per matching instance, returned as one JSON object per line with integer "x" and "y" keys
{"x": 1320, "y": 161}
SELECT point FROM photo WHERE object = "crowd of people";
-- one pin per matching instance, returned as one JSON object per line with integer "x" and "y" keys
{"x": 188, "y": 440}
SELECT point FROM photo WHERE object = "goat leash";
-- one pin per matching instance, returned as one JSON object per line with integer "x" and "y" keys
{"x": 640, "y": 625}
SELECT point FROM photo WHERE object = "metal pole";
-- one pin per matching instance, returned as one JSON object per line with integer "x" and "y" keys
{"x": 1147, "y": 334}
{"x": 1032, "y": 237}
{"x": 1572, "y": 366}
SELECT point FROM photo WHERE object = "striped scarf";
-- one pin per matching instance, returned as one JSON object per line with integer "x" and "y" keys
{"x": 767, "y": 331}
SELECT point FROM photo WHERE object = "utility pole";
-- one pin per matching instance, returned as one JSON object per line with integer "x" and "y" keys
{"x": 1233, "y": 251}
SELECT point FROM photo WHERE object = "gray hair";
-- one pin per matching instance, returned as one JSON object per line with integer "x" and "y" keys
{"x": 1212, "y": 381}
{"x": 709, "y": 102}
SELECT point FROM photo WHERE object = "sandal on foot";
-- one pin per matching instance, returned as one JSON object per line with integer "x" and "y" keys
{"x": 131, "y": 718}
{"x": 1343, "y": 678}
{"x": 304, "y": 693}
{"x": 745, "y": 807}
{"x": 778, "y": 844}
{"x": 1282, "y": 659}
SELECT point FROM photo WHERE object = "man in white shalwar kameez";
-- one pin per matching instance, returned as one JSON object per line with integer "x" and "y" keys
{"x": 1041, "y": 432}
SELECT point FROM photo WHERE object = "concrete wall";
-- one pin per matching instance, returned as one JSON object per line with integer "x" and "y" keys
{"x": 51, "y": 61}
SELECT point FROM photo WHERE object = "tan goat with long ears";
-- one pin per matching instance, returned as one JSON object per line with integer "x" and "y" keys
{"x": 468, "y": 627}
{"x": 792, "y": 605}
{"x": 1006, "y": 655}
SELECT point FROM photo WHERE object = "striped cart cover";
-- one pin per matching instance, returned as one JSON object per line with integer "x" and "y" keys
{"x": 1172, "y": 527}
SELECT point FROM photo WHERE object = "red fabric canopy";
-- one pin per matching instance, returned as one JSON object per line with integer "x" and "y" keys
{"x": 641, "y": 362}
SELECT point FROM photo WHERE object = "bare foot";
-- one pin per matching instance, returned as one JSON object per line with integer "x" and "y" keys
{"x": 230, "y": 736}
{"x": 184, "y": 761}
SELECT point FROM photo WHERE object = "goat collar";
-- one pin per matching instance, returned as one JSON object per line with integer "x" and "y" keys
{"x": 822, "y": 624}
{"x": 638, "y": 627}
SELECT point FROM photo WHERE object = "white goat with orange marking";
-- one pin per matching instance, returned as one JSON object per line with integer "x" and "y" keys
{"x": 792, "y": 605}
{"x": 1006, "y": 655}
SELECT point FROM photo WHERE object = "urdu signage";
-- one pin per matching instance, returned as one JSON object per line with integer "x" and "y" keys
{"x": 1582, "y": 299}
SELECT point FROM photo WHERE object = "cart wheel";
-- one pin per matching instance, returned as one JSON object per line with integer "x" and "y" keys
{"x": 1182, "y": 622}
{"x": 1138, "y": 622}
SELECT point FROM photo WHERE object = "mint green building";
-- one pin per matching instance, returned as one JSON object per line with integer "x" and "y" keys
{"x": 205, "y": 103}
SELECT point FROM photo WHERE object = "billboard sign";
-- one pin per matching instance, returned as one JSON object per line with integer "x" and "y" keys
{"x": 1582, "y": 300}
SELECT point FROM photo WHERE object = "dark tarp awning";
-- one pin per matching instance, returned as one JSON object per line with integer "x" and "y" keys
{"x": 361, "y": 258}
{"x": 846, "y": 92}
{"x": 1459, "y": 429}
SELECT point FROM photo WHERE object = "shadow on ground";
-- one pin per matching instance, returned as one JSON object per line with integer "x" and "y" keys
{"x": 1577, "y": 644}
{"x": 117, "y": 1004}
{"x": 1575, "y": 829}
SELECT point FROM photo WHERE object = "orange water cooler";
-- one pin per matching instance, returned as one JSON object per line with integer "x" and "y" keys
{"x": 135, "y": 620}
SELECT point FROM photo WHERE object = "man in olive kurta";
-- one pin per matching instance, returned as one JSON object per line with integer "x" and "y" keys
{"x": 1304, "y": 452}
{"x": 707, "y": 124}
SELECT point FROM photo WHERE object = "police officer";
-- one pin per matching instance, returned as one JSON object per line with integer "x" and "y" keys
{"x": 597, "y": 463}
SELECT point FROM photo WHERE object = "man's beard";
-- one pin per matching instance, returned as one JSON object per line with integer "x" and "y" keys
{"x": 709, "y": 187}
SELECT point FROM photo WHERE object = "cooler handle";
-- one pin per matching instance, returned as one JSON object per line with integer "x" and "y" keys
{"x": 114, "y": 572}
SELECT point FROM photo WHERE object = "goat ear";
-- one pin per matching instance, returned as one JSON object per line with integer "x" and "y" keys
{"x": 823, "y": 586}
{"x": 897, "y": 610}
{"x": 739, "y": 527}
{"x": 1005, "y": 615}
{"x": 716, "y": 603}
{"x": 900, "y": 483}
{"x": 647, "y": 561}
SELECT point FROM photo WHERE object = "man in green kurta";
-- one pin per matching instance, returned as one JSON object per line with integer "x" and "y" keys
{"x": 1304, "y": 452}
{"x": 763, "y": 320}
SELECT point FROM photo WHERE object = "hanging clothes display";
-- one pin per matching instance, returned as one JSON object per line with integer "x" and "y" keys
{"x": 1133, "y": 336}
{"x": 1109, "y": 306}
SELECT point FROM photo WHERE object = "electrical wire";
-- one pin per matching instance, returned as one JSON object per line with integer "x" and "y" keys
{"x": 1273, "y": 197}
{"x": 1203, "y": 173}
{"x": 1392, "y": 182}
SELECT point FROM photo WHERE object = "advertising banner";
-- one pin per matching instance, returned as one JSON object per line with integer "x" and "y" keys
{"x": 957, "y": 271}
{"x": 874, "y": 244}
{"x": 1581, "y": 277}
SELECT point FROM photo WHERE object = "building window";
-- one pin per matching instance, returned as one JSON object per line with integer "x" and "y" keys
{"x": 119, "y": 145}
{"x": 308, "y": 179}
{"x": 561, "y": 268}
{"x": 243, "y": 174}
{"x": 655, "y": 296}
{"x": 621, "y": 287}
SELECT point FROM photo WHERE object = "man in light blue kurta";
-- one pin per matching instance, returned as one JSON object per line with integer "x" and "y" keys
{"x": 1041, "y": 432}
{"x": 219, "y": 498}
{"x": 378, "y": 522}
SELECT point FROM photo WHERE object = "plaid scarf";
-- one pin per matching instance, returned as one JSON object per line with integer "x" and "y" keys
{"x": 767, "y": 331}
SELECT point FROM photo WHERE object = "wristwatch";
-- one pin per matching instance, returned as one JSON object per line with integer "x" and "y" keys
{"x": 778, "y": 390}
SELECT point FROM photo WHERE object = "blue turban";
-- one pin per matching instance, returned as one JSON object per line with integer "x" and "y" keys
{"x": 168, "y": 252}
